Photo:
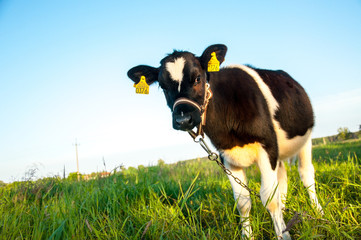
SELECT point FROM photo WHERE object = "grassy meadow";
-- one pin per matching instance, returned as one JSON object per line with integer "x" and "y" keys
{"x": 187, "y": 200}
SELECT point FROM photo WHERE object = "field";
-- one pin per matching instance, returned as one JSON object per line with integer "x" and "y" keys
{"x": 188, "y": 200}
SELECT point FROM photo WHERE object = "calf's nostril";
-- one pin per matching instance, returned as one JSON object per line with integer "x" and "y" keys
{"x": 185, "y": 119}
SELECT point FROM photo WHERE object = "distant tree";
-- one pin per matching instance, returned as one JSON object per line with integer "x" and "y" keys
{"x": 30, "y": 174}
{"x": 73, "y": 176}
{"x": 344, "y": 133}
{"x": 161, "y": 163}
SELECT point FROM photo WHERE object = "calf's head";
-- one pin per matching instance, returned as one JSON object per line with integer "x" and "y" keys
{"x": 183, "y": 78}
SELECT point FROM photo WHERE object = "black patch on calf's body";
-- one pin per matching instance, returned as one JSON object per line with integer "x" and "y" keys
{"x": 295, "y": 113}
{"x": 238, "y": 113}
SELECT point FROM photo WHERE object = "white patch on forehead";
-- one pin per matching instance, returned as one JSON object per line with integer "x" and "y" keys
{"x": 175, "y": 70}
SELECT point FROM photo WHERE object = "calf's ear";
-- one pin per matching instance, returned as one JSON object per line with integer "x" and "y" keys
{"x": 220, "y": 51}
{"x": 150, "y": 73}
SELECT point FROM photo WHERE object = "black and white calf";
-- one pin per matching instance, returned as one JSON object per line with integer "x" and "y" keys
{"x": 255, "y": 116}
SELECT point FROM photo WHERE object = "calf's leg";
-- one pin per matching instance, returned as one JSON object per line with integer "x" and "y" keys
{"x": 270, "y": 194}
{"x": 307, "y": 172}
{"x": 242, "y": 198}
{"x": 282, "y": 182}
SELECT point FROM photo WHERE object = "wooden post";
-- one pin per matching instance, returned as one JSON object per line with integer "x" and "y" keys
{"x": 77, "y": 160}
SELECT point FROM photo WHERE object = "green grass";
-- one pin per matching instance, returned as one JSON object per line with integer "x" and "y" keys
{"x": 338, "y": 151}
{"x": 188, "y": 200}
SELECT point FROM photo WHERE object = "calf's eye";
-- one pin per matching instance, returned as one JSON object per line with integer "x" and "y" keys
{"x": 197, "y": 80}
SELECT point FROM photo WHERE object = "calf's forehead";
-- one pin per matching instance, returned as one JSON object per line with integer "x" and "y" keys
{"x": 176, "y": 65}
{"x": 178, "y": 62}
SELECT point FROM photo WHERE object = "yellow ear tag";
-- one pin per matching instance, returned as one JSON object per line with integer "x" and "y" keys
{"x": 213, "y": 64}
{"x": 142, "y": 87}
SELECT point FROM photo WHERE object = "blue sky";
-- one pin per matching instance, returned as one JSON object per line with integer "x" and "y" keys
{"x": 63, "y": 71}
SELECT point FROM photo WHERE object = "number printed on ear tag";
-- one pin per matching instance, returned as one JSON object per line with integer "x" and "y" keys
{"x": 142, "y": 87}
{"x": 213, "y": 64}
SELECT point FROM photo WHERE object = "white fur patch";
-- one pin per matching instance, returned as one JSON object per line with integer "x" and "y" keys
{"x": 289, "y": 147}
{"x": 243, "y": 156}
{"x": 175, "y": 70}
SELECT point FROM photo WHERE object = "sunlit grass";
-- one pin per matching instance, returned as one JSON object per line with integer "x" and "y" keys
{"x": 188, "y": 200}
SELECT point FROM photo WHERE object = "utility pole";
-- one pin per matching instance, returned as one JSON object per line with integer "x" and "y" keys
{"x": 64, "y": 173}
{"x": 77, "y": 160}
{"x": 105, "y": 167}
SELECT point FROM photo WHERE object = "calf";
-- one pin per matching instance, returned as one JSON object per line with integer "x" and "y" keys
{"x": 254, "y": 116}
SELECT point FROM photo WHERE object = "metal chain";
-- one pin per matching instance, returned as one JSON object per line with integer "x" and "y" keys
{"x": 212, "y": 156}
